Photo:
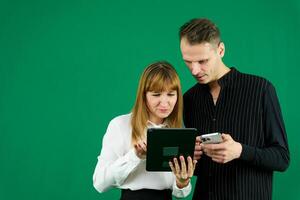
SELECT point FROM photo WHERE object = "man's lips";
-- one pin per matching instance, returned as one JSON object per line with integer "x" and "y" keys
{"x": 201, "y": 76}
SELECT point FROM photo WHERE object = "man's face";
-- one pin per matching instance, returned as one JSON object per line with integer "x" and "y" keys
{"x": 204, "y": 60}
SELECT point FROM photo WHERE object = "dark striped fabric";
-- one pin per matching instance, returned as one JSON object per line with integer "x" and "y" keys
{"x": 248, "y": 110}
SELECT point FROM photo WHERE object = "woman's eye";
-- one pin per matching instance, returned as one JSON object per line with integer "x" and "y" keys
{"x": 171, "y": 94}
{"x": 156, "y": 94}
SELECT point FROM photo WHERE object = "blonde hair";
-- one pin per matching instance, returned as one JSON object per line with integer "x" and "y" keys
{"x": 158, "y": 77}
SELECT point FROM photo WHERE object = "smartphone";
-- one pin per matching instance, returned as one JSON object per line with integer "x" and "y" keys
{"x": 211, "y": 138}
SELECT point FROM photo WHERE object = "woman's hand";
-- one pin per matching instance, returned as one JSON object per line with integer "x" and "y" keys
{"x": 141, "y": 149}
{"x": 182, "y": 171}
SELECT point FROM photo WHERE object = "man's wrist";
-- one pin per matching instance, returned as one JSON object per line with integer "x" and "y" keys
{"x": 240, "y": 149}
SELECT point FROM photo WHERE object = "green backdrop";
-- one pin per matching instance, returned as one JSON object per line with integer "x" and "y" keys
{"x": 68, "y": 67}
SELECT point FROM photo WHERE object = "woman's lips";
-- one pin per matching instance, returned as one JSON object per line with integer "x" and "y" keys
{"x": 163, "y": 110}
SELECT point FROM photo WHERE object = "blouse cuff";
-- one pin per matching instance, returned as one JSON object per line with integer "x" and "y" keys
{"x": 183, "y": 192}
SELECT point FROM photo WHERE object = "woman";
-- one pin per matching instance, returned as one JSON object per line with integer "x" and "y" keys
{"x": 122, "y": 163}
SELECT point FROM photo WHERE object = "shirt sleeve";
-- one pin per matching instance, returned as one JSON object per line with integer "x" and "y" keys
{"x": 114, "y": 164}
{"x": 183, "y": 192}
{"x": 275, "y": 154}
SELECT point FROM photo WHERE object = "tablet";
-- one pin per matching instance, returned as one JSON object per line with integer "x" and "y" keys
{"x": 163, "y": 144}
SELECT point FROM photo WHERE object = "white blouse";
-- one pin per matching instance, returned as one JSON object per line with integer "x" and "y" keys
{"x": 118, "y": 166}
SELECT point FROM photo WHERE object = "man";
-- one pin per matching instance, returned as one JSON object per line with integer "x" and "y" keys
{"x": 244, "y": 108}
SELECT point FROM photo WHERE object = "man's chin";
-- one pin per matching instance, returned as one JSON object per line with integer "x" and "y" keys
{"x": 202, "y": 81}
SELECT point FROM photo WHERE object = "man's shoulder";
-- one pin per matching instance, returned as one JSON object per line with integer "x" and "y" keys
{"x": 245, "y": 79}
{"x": 194, "y": 89}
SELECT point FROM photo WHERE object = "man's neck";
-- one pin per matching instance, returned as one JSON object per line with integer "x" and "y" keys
{"x": 214, "y": 85}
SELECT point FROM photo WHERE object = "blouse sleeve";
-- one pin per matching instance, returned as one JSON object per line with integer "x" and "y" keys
{"x": 114, "y": 164}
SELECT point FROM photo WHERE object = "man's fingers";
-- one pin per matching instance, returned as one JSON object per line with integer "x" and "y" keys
{"x": 215, "y": 153}
{"x": 198, "y": 139}
{"x": 194, "y": 165}
{"x": 222, "y": 161}
{"x": 197, "y": 155}
{"x": 226, "y": 137}
{"x": 220, "y": 158}
{"x": 198, "y": 148}
{"x": 220, "y": 146}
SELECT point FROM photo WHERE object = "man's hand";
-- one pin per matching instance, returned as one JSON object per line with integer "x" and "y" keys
{"x": 198, "y": 149}
{"x": 223, "y": 152}
{"x": 183, "y": 173}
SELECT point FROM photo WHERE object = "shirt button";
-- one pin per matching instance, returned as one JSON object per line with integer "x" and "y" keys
{"x": 214, "y": 119}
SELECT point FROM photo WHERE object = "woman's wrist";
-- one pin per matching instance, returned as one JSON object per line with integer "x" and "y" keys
{"x": 182, "y": 183}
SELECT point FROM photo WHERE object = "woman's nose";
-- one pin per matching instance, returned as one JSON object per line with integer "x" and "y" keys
{"x": 164, "y": 100}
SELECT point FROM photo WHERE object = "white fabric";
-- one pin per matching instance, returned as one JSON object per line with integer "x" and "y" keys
{"x": 118, "y": 166}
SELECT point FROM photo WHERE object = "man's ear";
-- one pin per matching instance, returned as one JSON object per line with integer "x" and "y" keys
{"x": 221, "y": 49}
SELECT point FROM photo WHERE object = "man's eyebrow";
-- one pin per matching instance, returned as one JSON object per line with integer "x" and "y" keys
{"x": 200, "y": 60}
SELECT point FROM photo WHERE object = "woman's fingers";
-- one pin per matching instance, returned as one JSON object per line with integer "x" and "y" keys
{"x": 177, "y": 168}
{"x": 142, "y": 146}
{"x": 183, "y": 168}
{"x": 191, "y": 166}
{"x": 140, "y": 149}
{"x": 172, "y": 167}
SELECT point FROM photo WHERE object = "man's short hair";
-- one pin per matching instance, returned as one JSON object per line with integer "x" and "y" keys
{"x": 200, "y": 30}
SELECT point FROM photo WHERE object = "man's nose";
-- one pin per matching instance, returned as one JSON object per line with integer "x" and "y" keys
{"x": 195, "y": 68}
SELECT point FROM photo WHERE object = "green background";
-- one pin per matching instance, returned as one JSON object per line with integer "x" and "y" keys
{"x": 68, "y": 67}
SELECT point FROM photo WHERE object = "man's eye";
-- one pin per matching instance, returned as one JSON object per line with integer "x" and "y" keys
{"x": 203, "y": 61}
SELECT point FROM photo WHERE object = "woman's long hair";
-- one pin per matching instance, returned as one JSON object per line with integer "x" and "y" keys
{"x": 158, "y": 77}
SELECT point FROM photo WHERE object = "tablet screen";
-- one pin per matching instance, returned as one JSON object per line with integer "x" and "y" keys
{"x": 163, "y": 144}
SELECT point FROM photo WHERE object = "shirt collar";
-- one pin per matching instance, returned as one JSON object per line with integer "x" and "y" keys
{"x": 153, "y": 125}
{"x": 228, "y": 77}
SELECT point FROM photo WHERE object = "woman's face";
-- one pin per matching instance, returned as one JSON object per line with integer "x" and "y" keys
{"x": 160, "y": 104}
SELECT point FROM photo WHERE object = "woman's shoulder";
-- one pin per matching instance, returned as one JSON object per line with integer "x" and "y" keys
{"x": 118, "y": 132}
{"x": 121, "y": 120}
